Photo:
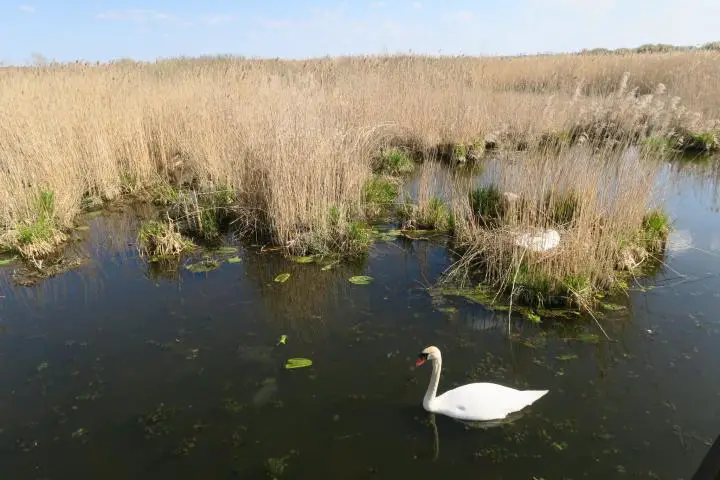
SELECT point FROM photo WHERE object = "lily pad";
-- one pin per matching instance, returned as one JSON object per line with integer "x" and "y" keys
{"x": 566, "y": 357}
{"x": 305, "y": 259}
{"x": 361, "y": 280}
{"x": 7, "y": 261}
{"x": 329, "y": 266}
{"x": 282, "y": 278}
{"x": 204, "y": 266}
{"x": 534, "y": 318}
{"x": 588, "y": 337}
{"x": 613, "y": 307}
{"x": 234, "y": 260}
{"x": 298, "y": 363}
{"x": 282, "y": 340}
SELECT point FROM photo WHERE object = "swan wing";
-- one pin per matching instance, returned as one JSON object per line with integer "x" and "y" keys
{"x": 484, "y": 401}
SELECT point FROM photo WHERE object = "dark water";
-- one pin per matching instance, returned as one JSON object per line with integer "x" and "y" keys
{"x": 113, "y": 371}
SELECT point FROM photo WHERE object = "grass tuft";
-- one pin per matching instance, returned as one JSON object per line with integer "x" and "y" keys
{"x": 394, "y": 161}
{"x": 158, "y": 240}
{"x": 379, "y": 194}
{"x": 655, "y": 230}
{"x": 37, "y": 237}
{"x": 486, "y": 203}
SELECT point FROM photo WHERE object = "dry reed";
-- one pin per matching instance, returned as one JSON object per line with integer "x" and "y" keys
{"x": 294, "y": 139}
{"x": 599, "y": 204}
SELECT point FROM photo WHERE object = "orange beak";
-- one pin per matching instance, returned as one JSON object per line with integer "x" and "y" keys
{"x": 419, "y": 361}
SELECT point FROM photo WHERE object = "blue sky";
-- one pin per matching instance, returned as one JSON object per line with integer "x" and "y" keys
{"x": 145, "y": 30}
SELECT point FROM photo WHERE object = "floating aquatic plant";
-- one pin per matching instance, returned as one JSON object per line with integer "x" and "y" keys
{"x": 298, "y": 363}
{"x": 361, "y": 280}
{"x": 282, "y": 278}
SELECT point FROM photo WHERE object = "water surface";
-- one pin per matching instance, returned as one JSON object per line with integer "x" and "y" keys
{"x": 118, "y": 371}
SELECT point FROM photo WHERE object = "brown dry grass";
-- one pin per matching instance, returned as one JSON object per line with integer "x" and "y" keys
{"x": 294, "y": 139}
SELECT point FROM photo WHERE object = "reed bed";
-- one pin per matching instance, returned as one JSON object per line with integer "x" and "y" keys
{"x": 602, "y": 205}
{"x": 294, "y": 141}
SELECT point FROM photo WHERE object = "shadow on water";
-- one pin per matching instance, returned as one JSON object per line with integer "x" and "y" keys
{"x": 118, "y": 370}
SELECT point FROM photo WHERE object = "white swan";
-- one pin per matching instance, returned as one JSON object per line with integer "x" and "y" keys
{"x": 474, "y": 401}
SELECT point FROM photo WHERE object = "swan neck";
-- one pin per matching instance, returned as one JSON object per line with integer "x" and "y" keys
{"x": 433, "y": 386}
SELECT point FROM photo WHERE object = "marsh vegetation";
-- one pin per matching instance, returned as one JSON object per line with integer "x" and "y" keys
{"x": 309, "y": 155}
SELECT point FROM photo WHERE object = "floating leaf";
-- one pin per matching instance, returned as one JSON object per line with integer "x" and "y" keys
{"x": 361, "y": 280}
{"x": 329, "y": 266}
{"x": 566, "y": 357}
{"x": 82, "y": 228}
{"x": 588, "y": 337}
{"x": 234, "y": 260}
{"x": 533, "y": 317}
{"x": 7, "y": 261}
{"x": 306, "y": 259}
{"x": 282, "y": 278}
{"x": 613, "y": 307}
{"x": 298, "y": 363}
{"x": 207, "y": 265}
{"x": 282, "y": 340}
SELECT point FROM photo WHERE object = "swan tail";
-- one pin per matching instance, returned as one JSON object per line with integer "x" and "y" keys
{"x": 532, "y": 396}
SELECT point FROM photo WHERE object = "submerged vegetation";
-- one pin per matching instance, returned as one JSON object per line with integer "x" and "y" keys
{"x": 307, "y": 156}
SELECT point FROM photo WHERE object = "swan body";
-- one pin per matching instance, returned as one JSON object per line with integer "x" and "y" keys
{"x": 546, "y": 240}
{"x": 474, "y": 401}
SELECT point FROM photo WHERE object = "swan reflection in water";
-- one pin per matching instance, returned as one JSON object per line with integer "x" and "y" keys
{"x": 482, "y": 425}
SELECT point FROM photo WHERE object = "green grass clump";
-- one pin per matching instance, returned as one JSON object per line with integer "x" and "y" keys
{"x": 159, "y": 240}
{"x": 655, "y": 230}
{"x": 165, "y": 194}
{"x": 562, "y": 207}
{"x": 460, "y": 151}
{"x": 357, "y": 238}
{"x": 394, "y": 161}
{"x": 431, "y": 215}
{"x": 486, "y": 202}
{"x": 343, "y": 235}
{"x": 696, "y": 142}
{"x": 203, "y": 214}
{"x": 379, "y": 193}
{"x": 37, "y": 237}
{"x": 657, "y": 144}
{"x": 539, "y": 289}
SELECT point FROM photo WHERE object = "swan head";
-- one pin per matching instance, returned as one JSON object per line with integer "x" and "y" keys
{"x": 430, "y": 353}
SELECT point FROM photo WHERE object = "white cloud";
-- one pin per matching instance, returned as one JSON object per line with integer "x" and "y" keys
{"x": 27, "y": 8}
{"x": 144, "y": 16}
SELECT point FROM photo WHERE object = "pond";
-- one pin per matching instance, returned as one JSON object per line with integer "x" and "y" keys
{"x": 117, "y": 371}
